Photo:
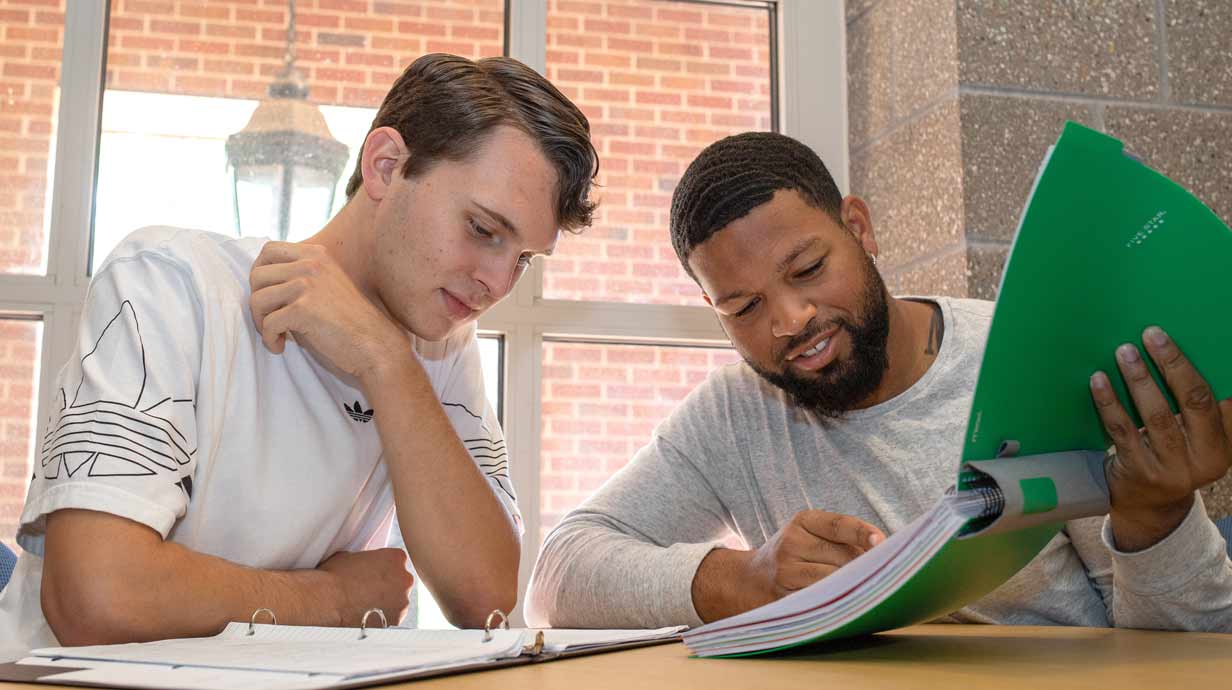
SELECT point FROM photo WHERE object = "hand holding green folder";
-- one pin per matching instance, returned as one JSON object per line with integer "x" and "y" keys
{"x": 1105, "y": 248}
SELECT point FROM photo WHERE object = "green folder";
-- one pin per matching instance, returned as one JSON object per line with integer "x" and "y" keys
{"x": 1105, "y": 248}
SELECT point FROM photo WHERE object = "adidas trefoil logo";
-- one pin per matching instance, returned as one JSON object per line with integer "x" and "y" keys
{"x": 358, "y": 413}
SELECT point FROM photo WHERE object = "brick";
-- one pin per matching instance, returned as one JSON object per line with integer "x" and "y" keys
{"x": 139, "y": 7}
{"x": 152, "y": 43}
{"x": 605, "y": 95}
{"x": 172, "y": 63}
{"x": 29, "y": 71}
{"x": 204, "y": 10}
{"x": 450, "y": 14}
{"x": 403, "y": 44}
{"x": 562, "y": 57}
{"x": 707, "y": 35}
{"x": 325, "y": 21}
{"x": 659, "y": 64}
{"x": 589, "y": 8}
{"x": 630, "y": 11}
{"x": 631, "y": 79}
{"x": 667, "y": 31}
{"x": 717, "y": 102}
{"x": 477, "y": 33}
{"x": 358, "y": 6}
{"x": 683, "y": 49}
{"x": 401, "y": 9}
{"x": 164, "y": 26}
{"x": 580, "y": 76}
{"x": 31, "y": 35}
{"x": 711, "y": 68}
{"x": 657, "y": 98}
{"x": 370, "y": 59}
{"x": 607, "y": 60}
{"x": 204, "y": 47}
{"x": 369, "y": 24}
{"x": 677, "y": 16}
{"x": 277, "y": 17}
{"x": 228, "y": 31}
{"x": 455, "y": 47}
{"x": 229, "y": 67}
{"x": 339, "y": 39}
{"x": 730, "y": 53}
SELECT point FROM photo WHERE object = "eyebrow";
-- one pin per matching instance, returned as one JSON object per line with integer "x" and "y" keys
{"x": 507, "y": 224}
{"x": 781, "y": 266}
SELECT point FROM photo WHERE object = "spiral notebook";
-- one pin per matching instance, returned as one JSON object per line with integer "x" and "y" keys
{"x": 285, "y": 657}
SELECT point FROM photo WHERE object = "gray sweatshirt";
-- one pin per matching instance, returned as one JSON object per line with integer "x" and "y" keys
{"x": 737, "y": 460}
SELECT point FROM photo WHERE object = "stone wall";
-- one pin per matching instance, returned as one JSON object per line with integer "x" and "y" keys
{"x": 953, "y": 103}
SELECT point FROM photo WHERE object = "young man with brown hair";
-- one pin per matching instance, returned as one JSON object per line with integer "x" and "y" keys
{"x": 243, "y": 419}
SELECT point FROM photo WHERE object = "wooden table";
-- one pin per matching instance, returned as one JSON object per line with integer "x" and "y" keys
{"x": 926, "y": 656}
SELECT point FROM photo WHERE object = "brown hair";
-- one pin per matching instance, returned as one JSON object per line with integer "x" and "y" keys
{"x": 445, "y": 106}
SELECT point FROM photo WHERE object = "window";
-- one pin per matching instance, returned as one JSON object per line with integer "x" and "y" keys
{"x": 658, "y": 81}
{"x": 601, "y": 402}
{"x": 115, "y": 128}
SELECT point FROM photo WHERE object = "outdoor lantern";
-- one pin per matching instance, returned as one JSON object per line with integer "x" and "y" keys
{"x": 285, "y": 162}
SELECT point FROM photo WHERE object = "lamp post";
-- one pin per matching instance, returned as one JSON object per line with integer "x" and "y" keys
{"x": 285, "y": 163}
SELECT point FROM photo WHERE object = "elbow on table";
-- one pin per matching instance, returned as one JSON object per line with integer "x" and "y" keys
{"x": 88, "y": 609}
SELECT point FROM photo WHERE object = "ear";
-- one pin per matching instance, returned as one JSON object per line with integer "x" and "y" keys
{"x": 859, "y": 221}
{"x": 383, "y": 154}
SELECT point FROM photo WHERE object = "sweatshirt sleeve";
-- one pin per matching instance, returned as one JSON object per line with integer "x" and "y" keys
{"x": 1183, "y": 582}
{"x": 627, "y": 556}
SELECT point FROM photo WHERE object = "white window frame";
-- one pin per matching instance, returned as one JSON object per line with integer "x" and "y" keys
{"x": 811, "y": 106}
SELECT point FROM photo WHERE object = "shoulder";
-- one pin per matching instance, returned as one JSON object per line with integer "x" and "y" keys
{"x": 191, "y": 252}
{"x": 724, "y": 402}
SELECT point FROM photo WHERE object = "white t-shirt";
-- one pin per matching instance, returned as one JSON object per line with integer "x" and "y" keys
{"x": 172, "y": 413}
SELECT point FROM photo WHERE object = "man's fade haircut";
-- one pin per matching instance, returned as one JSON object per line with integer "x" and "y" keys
{"x": 735, "y": 175}
{"x": 446, "y": 106}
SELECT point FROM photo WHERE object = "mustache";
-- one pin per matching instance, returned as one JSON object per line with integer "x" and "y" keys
{"x": 810, "y": 331}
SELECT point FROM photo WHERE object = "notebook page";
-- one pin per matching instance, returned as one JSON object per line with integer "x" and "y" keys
{"x": 563, "y": 639}
{"x": 296, "y": 649}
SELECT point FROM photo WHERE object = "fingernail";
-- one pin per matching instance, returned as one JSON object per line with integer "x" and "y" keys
{"x": 1155, "y": 336}
{"x": 1128, "y": 353}
{"x": 874, "y": 539}
{"x": 1099, "y": 381}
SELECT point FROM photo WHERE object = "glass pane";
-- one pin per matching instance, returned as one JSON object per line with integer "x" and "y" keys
{"x": 182, "y": 76}
{"x": 33, "y": 36}
{"x": 19, "y": 367}
{"x": 600, "y": 404}
{"x": 659, "y": 81}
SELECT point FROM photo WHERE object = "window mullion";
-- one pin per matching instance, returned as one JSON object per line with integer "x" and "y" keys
{"x": 81, "y": 88}
{"x": 813, "y": 79}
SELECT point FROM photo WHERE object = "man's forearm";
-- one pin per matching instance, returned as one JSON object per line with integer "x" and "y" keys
{"x": 110, "y": 580}
{"x": 464, "y": 545}
{"x": 720, "y": 588}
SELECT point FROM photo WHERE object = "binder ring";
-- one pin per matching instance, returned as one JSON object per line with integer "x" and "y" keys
{"x": 363, "y": 624}
{"x": 252, "y": 622}
{"x": 487, "y": 625}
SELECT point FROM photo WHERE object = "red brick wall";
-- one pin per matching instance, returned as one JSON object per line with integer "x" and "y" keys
{"x": 600, "y": 404}
{"x": 659, "y": 81}
{"x": 19, "y": 345}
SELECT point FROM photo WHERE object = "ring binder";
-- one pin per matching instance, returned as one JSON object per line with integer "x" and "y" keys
{"x": 252, "y": 622}
{"x": 363, "y": 623}
{"x": 487, "y": 624}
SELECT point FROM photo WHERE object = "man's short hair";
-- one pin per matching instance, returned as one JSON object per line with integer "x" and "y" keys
{"x": 735, "y": 175}
{"x": 446, "y": 106}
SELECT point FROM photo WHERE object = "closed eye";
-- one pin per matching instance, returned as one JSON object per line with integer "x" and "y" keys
{"x": 747, "y": 308}
{"x": 811, "y": 270}
{"x": 480, "y": 231}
